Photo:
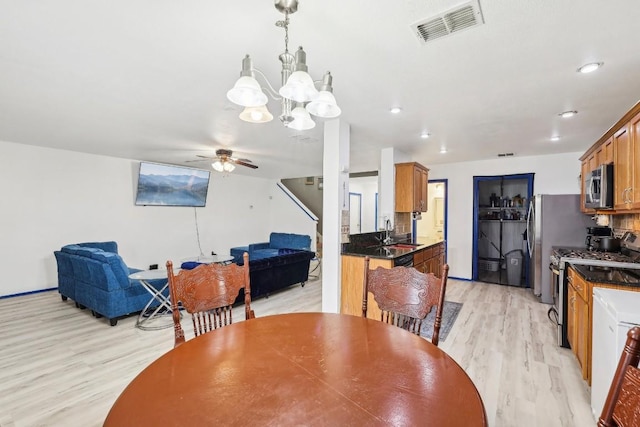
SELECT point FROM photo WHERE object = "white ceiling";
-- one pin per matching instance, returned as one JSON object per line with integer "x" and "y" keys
{"x": 147, "y": 79}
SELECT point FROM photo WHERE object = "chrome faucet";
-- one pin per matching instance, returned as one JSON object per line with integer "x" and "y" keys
{"x": 387, "y": 228}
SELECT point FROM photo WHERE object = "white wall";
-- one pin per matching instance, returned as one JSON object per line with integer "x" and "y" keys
{"x": 554, "y": 174}
{"x": 54, "y": 197}
{"x": 287, "y": 217}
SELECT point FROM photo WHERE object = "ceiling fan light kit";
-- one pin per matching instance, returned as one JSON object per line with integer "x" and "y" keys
{"x": 224, "y": 162}
{"x": 297, "y": 86}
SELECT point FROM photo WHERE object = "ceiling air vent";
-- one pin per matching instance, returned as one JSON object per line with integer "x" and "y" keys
{"x": 505, "y": 154}
{"x": 461, "y": 17}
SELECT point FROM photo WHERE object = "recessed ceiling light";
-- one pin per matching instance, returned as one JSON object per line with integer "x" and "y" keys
{"x": 395, "y": 110}
{"x": 425, "y": 135}
{"x": 443, "y": 150}
{"x": 555, "y": 138}
{"x": 591, "y": 67}
{"x": 567, "y": 114}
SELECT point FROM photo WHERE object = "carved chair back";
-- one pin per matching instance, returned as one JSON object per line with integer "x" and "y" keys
{"x": 207, "y": 293}
{"x": 405, "y": 296}
{"x": 622, "y": 407}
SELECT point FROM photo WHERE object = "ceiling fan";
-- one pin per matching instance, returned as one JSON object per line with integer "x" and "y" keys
{"x": 224, "y": 162}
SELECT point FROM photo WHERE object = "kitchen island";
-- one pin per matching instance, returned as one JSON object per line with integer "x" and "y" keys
{"x": 427, "y": 258}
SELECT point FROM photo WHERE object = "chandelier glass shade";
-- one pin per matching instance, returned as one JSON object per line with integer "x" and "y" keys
{"x": 297, "y": 87}
{"x": 256, "y": 114}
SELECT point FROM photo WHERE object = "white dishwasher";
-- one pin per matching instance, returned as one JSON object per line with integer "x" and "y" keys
{"x": 614, "y": 313}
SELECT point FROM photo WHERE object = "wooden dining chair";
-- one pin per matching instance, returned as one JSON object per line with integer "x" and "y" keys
{"x": 207, "y": 293}
{"x": 622, "y": 407}
{"x": 405, "y": 296}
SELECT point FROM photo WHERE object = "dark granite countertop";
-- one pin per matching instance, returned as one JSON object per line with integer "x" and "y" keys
{"x": 373, "y": 249}
{"x": 614, "y": 276}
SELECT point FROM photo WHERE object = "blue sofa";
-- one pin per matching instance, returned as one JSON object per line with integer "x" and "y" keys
{"x": 277, "y": 242}
{"x": 271, "y": 274}
{"x": 95, "y": 277}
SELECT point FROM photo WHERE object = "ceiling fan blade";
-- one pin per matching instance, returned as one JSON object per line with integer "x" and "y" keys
{"x": 199, "y": 160}
{"x": 205, "y": 157}
{"x": 249, "y": 165}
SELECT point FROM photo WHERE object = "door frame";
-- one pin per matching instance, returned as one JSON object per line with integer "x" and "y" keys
{"x": 476, "y": 205}
{"x": 445, "y": 226}
{"x": 359, "y": 196}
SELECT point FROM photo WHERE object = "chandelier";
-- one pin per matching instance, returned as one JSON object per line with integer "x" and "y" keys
{"x": 298, "y": 95}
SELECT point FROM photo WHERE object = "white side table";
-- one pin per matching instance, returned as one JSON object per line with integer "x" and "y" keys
{"x": 156, "y": 296}
{"x": 210, "y": 259}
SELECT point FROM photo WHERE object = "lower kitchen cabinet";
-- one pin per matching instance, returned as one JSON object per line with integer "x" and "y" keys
{"x": 352, "y": 282}
{"x": 579, "y": 321}
{"x": 580, "y": 317}
{"x": 430, "y": 260}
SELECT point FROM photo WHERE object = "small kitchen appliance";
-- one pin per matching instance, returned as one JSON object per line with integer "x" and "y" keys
{"x": 593, "y": 235}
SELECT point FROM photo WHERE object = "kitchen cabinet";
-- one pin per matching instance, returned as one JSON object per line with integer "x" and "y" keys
{"x": 580, "y": 317}
{"x": 352, "y": 282}
{"x": 430, "y": 260}
{"x": 634, "y": 135}
{"x": 623, "y": 160}
{"x": 411, "y": 187}
{"x": 578, "y": 320}
{"x": 620, "y": 145}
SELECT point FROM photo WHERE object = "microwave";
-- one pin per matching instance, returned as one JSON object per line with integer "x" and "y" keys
{"x": 598, "y": 188}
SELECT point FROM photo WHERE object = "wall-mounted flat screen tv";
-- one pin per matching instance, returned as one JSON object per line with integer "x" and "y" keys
{"x": 168, "y": 185}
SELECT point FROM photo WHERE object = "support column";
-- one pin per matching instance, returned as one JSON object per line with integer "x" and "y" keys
{"x": 335, "y": 201}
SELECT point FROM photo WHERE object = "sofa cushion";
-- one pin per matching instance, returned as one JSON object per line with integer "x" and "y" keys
{"x": 289, "y": 240}
{"x": 120, "y": 270}
{"x": 86, "y": 252}
{"x": 110, "y": 246}
{"x": 263, "y": 253}
{"x": 71, "y": 249}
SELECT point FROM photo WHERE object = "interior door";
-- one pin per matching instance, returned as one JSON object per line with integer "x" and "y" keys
{"x": 355, "y": 213}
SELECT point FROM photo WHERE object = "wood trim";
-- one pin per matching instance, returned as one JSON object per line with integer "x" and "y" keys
{"x": 613, "y": 129}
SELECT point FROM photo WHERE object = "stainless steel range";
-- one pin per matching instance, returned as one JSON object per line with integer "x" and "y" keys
{"x": 627, "y": 258}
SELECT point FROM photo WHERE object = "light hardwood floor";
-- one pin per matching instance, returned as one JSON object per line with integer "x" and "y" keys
{"x": 62, "y": 367}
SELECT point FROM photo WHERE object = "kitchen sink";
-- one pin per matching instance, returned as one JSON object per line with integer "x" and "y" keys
{"x": 402, "y": 246}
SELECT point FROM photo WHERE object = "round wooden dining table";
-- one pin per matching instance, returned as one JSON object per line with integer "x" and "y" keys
{"x": 302, "y": 369}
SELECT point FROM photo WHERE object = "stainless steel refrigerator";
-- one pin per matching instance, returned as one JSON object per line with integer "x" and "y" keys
{"x": 552, "y": 220}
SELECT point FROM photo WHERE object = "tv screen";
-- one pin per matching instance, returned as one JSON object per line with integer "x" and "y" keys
{"x": 168, "y": 185}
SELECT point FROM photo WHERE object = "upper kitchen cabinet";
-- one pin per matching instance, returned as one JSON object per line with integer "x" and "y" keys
{"x": 411, "y": 187}
{"x": 620, "y": 146}
{"x": 626, "y": 143}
